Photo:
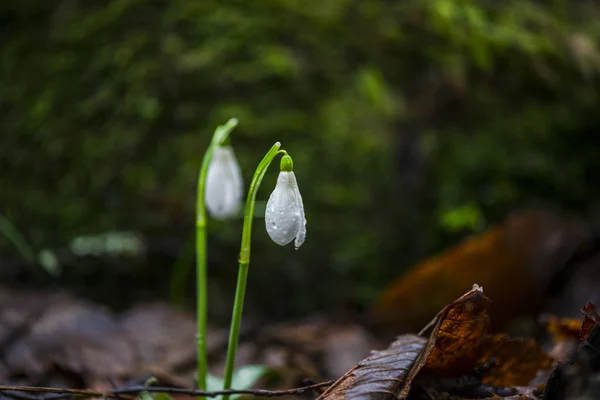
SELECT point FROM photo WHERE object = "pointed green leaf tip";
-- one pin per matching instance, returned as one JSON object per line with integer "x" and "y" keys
{"x": 222, "y": 132}
{"x": 287, "y": 164}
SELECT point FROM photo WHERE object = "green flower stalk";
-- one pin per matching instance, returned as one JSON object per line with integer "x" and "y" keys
{"x": 240, "y": 292}
{"x": 219, "y": 137}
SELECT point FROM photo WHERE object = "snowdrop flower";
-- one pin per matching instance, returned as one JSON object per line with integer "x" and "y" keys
{"x": 224, "y": 185}
{"x": 284, "y": 215}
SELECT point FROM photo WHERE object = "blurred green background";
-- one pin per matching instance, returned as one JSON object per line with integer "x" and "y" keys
{"x": 412, "y": 124}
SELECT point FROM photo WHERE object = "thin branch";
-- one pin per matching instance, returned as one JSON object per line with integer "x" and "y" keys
{"x": 58, "y": 393}
{"x": 130, "y": 393}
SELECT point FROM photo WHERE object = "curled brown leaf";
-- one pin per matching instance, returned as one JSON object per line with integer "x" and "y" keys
{"x": 380, "y": 376}
{"x": 591, "y": 319}
{"x": 460, "y": 330}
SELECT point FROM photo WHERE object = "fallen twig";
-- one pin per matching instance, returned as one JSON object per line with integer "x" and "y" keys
{"x": 131, "y": 392}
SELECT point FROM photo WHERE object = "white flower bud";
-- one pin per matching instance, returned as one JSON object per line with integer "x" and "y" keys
{"x": 284, "y": 215}
{"x": 224, "y": 184}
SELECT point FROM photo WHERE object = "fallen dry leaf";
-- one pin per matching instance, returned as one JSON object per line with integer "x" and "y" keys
{"x": 521, "y": 396}
{"x": 563, "y": 329}
{"x": 380, "y": 376}
{"x": 458, "y": 357}
{"x": 517, "y": 361}
{"x": 524, "y": 394}
{"x": 515, "y": 262}
{"x": 457, "y": 336}
{"x": 451, "y": 349}
{"x": 575, "y": 376}
{"x": 74, "y": 336}
{"x": 319, "y": 347}
{"x": 54, "y": 338}
{"x": 567, "y": 333}
{"x": 591, "y": 319}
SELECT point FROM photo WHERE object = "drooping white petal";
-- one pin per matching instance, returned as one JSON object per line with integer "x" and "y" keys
{"x": 224, "y": 184}
{"x": 301, "y": 235}
{"x": 284, "y": 215}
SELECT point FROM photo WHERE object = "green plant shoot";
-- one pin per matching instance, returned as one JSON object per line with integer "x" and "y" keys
{"x": 240, "y": 291}
{"x": 221, "y": 134}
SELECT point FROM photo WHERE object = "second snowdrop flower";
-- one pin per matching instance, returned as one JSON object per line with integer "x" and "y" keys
{"x": 284, "y": 215}
{"x": 224, "y": 184}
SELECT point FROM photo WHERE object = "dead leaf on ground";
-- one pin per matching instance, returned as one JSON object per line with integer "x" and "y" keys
{"x": 529, "y": 395}
{"x": 515, "y": 262}
{"x": 380, "y": 376}
{"x": 526, "y": 394}
{"x": 591, "y": 319}
{"x": 563, "y": 329}
{"x": 567, "y": 333}
{"x": 517, "y": 361}
{"x": 457, "y": 346}
{"x": 73, "y": 336}
{"x": 457, "y": 336}
{"x": 55, "y": 338}
{"x": 577, "y": 377}
{"x": 336, "y": 344}
{"x": 451, "y": 349}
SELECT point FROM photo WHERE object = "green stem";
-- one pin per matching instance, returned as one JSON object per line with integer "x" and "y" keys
{"x": 12, "y": 234}
{"x": 221, "y": 134}
{"x": 240, "y": 291}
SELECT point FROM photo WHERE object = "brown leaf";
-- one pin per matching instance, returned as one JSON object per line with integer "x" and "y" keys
{"x": 529, "y": 395}
{"x": 457, "y": 336}
{"x": 591, "y": 319}
{"x": 332, "y": 346}
{"x": 75, "y": 336}
{"x": 514, "y": 262}
{"x": 452, "y": 349}
{"x": 380, "y": 376}
{"x": 458, "y": 343}
{"x": 522, "y": 394}
{"x": 563, "y": 329}
{"x": 163, "y": 335}
{"x": 517, "y": 360}
{"x": 55, "y": 338}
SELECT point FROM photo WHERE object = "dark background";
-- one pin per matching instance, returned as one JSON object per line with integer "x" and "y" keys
{"x": 412, "y": 124}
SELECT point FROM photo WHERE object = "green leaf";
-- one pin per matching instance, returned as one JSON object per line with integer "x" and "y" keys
{"x": 243, "y": 378}
{"x": 161, "y": 396}
{"x": 145, "y": 396}
{"x": 8, "y": 230}
{"x": 48, "y": 260}
{"x": 467, "y": 216}
{"x": 154, "y": 396}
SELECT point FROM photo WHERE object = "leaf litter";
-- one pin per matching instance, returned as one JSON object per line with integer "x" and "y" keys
{"x": 458, "y": 359}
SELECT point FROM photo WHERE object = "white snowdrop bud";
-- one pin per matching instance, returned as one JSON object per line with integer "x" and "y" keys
{"x": 284, "y": 215}
{"x": 224, "y": 184}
